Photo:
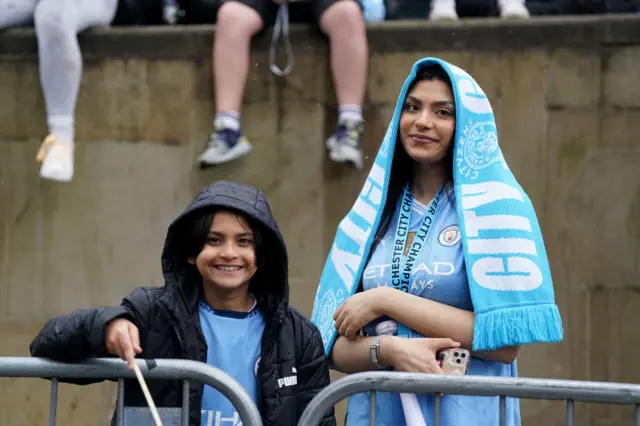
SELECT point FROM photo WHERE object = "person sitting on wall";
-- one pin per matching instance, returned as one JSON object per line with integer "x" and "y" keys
{"x": 447, "y": 9}
{"x": 57, "y": 23}
{"x": 237, "y": 22}
{"x": 224, "y": 302}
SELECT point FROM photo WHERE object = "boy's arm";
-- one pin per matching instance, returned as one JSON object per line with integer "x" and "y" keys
{"x": 81, "y": 334}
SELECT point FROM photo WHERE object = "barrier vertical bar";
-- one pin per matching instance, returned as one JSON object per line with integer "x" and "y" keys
{"x": 638, "y": 415}
{"x": 436, "y": 409}
{"x": 53, "y": 402}
{"x": 185, "y": 403}
{"x": 503, "y": 410}
{"x": 569, "y": 412}
{"x": 120, "y": 404}
{"x": 372, "y": 408}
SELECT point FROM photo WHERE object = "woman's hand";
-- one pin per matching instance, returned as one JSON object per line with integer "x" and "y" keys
{"x": 122, "y": 340}
{"x": 359, "y": 310}
{"x": 414, "y": 355}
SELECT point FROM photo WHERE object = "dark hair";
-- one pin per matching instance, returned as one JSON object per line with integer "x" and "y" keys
{"x": 194, "y": 232}
{"x": 402, "y": 167}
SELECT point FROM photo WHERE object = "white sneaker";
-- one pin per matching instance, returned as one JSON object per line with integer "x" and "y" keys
{"x": 57, "y": 159}
{"x": 513, "y": 10}
{"x": 443, "y": 11}
{"x": 225, "y": 145}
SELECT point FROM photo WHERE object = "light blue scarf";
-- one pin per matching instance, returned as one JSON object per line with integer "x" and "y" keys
{"x": 506, "y": 261}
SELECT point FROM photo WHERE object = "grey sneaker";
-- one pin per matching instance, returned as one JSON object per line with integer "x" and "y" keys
{"x": 345, "y": 146}
{"x": 225, "y": 145}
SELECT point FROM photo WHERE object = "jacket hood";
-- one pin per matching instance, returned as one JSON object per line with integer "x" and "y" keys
{"x": 183, "y": 280}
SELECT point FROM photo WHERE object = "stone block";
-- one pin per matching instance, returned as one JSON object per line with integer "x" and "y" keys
{"x": 574, "y": 79}
{"x": 22, "y": 110}
{"x": 522, "y": 119}
{"x": 621, "y": 88}
{"x": 611, "y": 358}
{"x": 307, "y": 81}
{"x": 620, "y": 128}
{"x": 180, "y": 101}
{"x": 602, "y": 205}
{"x": 8, "y": 82}
{"x": 138, "y": 101}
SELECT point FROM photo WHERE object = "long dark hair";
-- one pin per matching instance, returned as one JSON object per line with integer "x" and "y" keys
{"x": 402, "y": 166}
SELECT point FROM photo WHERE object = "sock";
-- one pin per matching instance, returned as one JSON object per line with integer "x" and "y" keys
{"x": 62, "y": 128}
{"x": 448, "y": 4}
{"x": 230, "y": 120}
{"x": 349, "y": 113}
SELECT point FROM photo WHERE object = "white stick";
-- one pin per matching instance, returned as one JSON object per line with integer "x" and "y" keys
{"x": 412, "y": 412}
{"x": 147, "y": 395}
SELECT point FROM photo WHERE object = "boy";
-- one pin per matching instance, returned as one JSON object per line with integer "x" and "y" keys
{"x": 224, "y": 302}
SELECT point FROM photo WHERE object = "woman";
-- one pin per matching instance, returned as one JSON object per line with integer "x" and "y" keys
{"x": 444, "y": 242}
{"x": 57, "y": 23}
{"x": 224, "y": 302}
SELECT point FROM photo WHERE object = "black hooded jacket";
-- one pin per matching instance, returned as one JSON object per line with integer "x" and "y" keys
{"x": 168, "y": 322}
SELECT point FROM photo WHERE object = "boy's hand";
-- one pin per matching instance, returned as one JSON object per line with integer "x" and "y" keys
{"x": 122, "y": 339}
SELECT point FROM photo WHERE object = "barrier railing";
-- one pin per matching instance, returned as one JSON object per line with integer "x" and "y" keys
{"x": 151, "y": 369}
{"x": 568, "y": 390}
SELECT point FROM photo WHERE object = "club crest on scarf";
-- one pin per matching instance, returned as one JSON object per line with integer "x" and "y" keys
{"x": 479, "y": 148}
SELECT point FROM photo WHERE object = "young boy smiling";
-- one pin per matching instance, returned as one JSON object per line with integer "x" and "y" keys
{"x": 224, "y": 302}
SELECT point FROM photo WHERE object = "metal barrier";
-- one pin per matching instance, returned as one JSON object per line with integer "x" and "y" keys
{"x": 568, "y": 390}
{"x": 151, "y": 369}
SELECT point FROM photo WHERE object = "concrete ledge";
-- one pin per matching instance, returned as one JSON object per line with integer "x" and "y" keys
{"x": 497, "y": 34}
{"x": 153, "y": 42}
{"x": 388, "y": 37}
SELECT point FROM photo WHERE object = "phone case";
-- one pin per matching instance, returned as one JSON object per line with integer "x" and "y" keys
{"x": 455, "y": 361}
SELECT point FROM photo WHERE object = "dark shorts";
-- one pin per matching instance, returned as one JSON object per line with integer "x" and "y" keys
{"x": 138, "y": 12}
{"x": 308, "y": 11}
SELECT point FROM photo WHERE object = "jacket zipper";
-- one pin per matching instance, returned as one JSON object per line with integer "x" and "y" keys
{"x": 269, "y": 336}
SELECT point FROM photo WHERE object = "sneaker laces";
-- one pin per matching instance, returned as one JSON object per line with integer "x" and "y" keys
{"x": 349, "y": 133}
{"x": 222, "y": 137}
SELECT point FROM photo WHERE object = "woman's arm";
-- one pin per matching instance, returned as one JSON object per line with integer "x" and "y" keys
{"x": 435, "y": 319}
{"x": 353, "y": 356}
{"x": 402, "y": 354}
{"x": 425, "y": 316}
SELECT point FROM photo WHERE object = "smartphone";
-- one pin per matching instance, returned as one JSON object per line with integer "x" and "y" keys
{"x": 454, "y": 361}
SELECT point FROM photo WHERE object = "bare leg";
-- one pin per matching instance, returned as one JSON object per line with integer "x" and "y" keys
{"x": 236, "y": 25}
{"x": 343, "y": 23}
